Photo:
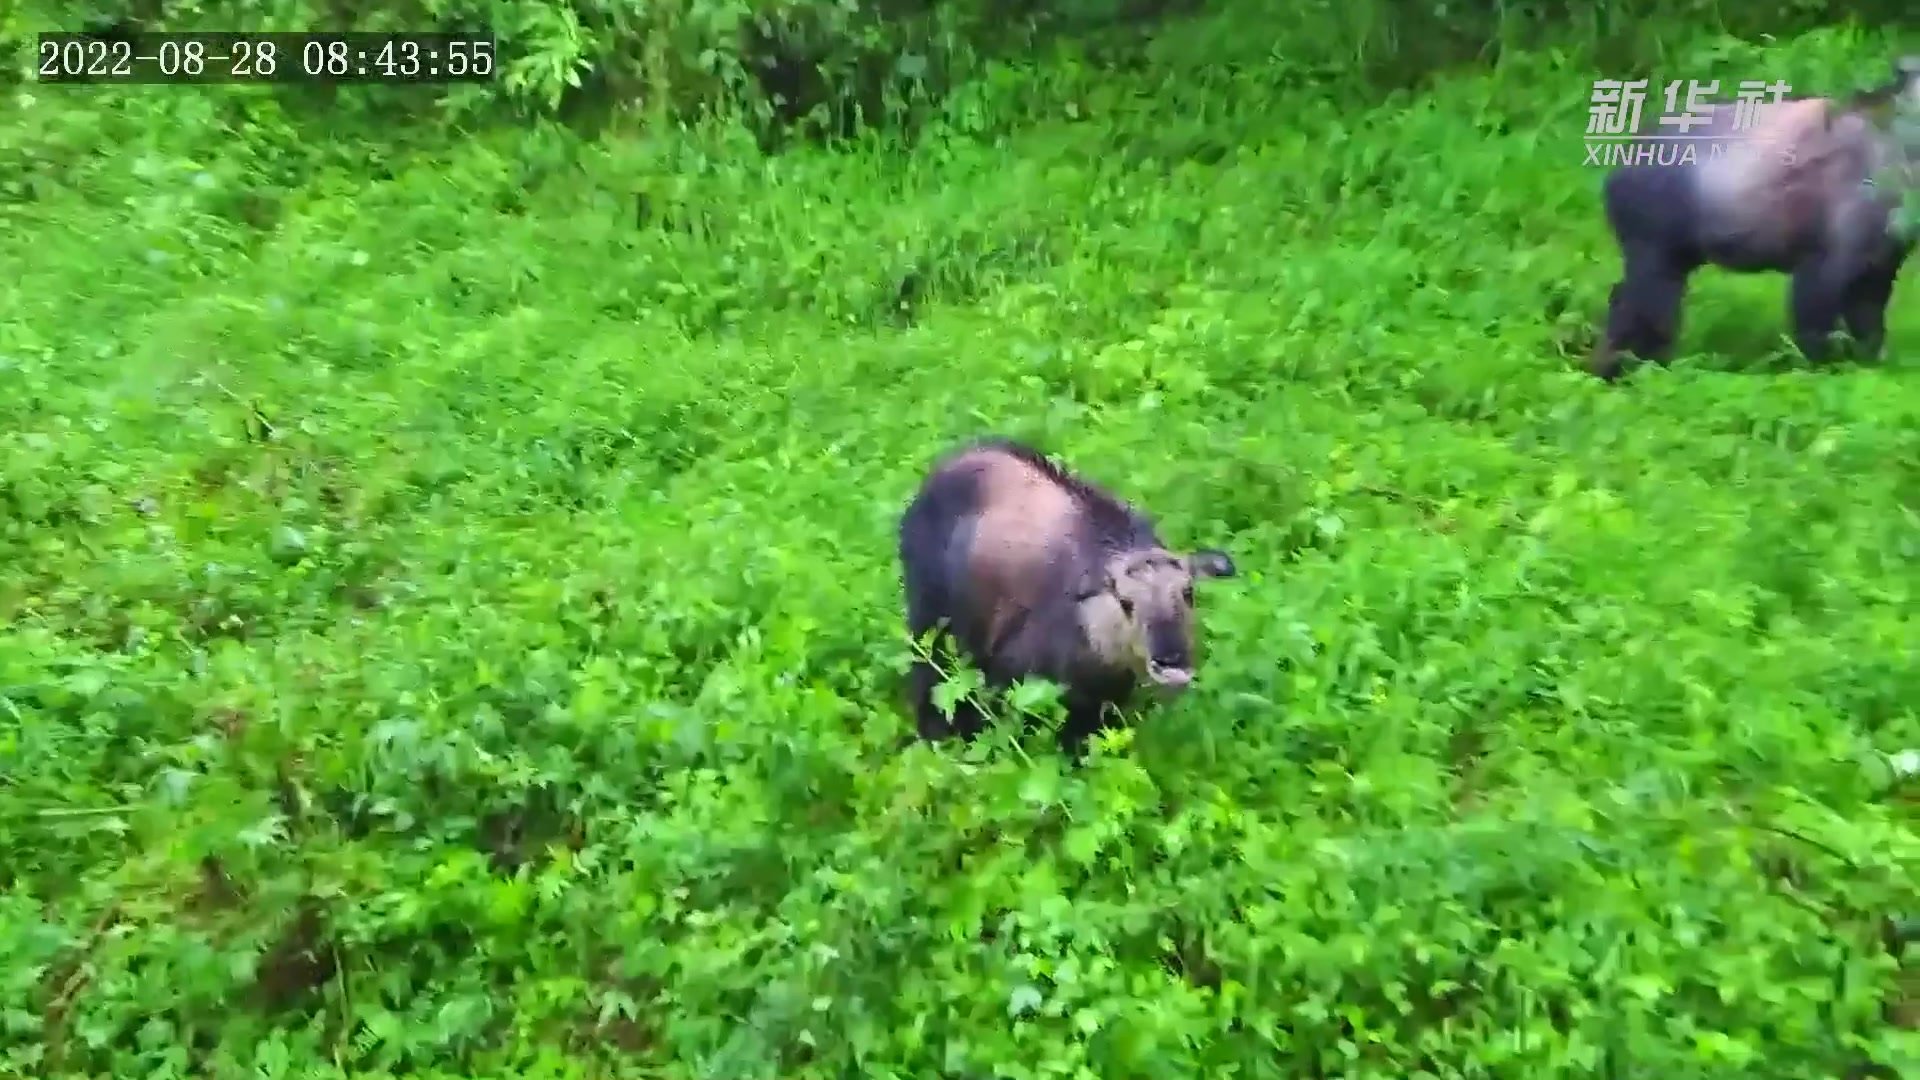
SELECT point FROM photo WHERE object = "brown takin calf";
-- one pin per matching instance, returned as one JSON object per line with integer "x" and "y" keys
{"x": 1033, "y": 572}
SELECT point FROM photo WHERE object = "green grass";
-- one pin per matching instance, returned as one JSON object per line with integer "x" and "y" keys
{"x": 453, "y": 631}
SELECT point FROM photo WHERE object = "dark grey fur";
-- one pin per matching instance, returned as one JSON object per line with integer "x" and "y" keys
{"x": 938, "y": 534}
{"x": 1828, "y": 227}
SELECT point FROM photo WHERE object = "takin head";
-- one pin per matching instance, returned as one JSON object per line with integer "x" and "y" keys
{"x": 1902, "y": 89}
{"x": 1137, "y": 611}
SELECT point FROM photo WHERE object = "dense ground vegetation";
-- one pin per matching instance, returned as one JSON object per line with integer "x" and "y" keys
{"x": 451, "y": 625}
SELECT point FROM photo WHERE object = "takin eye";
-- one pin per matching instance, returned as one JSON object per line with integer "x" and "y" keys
{"x": 1186, "y": 596}
{"x": 1126, "y": 606}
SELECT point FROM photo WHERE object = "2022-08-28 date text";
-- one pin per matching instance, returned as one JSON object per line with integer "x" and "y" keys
{"x": 234, "y": 57}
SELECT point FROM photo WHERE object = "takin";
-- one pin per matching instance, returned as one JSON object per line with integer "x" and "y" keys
{"x": 1798, "y": 189}
{"x": 1031, "y": 571}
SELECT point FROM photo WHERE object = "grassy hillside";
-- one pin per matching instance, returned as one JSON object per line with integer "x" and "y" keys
{"x": 452, "y": 626}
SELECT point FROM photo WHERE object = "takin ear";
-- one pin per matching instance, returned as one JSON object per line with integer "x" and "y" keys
{"x": 1208, "y": 563}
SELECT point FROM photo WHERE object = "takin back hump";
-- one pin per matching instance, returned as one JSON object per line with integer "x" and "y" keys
{"x": 1799, "y": 177}
{"x": 1755, "y": 188}
{"x": 1034, "y": 530}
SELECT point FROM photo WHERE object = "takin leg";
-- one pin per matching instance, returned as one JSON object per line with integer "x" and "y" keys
{"x": 928, "y": 720}
{"x": 922, "y": 677}
{"x": 1653, "y": 213}
{"x": 1643, "y": 311}
{"x": 933, "y": 725}
{"x": 1816, "y": 301}
{"x": 1084, "y": 720}
{"x": 1087, "y": 715}
{"x": 924, "y": 674}
{"x": 1864, "y": 310}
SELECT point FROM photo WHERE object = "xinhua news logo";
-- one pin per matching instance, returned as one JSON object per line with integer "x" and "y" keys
{"x": 1614, "y": 112}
